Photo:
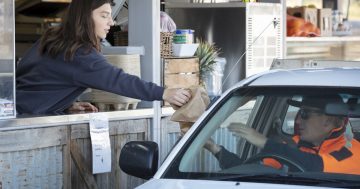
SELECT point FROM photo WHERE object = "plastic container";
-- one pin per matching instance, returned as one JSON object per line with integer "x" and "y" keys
{"x": 341, "y": 27}
{"x": 213, "y": 80}
{"x": 184, "y": 36}
{"x": 182, "y": 50}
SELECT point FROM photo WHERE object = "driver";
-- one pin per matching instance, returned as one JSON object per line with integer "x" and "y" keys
{"x": 321, "y": 142}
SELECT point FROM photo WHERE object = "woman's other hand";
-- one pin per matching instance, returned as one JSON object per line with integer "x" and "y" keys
{"x": 177, "y": 96}
{"x": 82, "y": 107}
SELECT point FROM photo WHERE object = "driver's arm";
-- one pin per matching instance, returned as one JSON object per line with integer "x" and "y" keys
{"x": 310, "y": 162}
{"x": 249, "y": 134}
{"x": 225, "y": 158}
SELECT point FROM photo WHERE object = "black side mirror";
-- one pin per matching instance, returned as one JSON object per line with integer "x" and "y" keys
{"x": 139, "y": 158}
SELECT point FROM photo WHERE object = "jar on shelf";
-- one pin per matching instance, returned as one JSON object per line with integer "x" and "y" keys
{"x": 341, "y": 27}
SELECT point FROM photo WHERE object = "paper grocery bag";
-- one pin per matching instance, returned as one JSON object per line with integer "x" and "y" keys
{"x": 192, "y": 110}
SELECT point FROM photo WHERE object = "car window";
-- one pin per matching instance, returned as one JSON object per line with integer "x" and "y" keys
{"x": 289, "y": 121}
{"x": 355, "y": 123}
{"x": 238, "y": 112}
{"x": 215, "y": 149}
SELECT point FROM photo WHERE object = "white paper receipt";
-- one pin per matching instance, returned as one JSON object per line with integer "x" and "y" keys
{"x": 100, "y": 141}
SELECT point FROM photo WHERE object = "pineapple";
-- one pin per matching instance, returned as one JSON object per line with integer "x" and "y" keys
{"x": 206, "y": 52}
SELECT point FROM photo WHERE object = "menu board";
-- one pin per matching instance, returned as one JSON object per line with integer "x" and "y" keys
{"x": 264, "y": 36}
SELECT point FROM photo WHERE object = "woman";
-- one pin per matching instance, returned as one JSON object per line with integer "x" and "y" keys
{"x": 67, "y": 60}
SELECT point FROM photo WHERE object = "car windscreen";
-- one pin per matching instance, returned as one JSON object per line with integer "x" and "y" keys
{"x": 225, "y": 146}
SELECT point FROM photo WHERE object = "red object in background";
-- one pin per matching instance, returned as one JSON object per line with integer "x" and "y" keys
{"x": 298, "y": 27}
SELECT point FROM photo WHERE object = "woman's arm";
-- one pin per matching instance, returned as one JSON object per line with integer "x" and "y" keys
{"x": 225, "y": 158}
{"x": 93, "y": 71}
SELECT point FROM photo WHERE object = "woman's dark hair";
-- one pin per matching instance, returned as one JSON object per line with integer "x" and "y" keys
{"x": 76, "y": 30}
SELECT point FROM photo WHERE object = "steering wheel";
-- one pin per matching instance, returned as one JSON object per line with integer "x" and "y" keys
{"x": 280, "y": 158}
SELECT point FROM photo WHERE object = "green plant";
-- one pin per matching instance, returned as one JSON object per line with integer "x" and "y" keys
{"x": 206, "y": 52}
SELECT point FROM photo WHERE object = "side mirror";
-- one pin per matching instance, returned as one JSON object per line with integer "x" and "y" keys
{"x": 139, "y": 158}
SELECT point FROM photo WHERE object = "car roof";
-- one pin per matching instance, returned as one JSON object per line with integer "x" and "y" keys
{"x": 328, "y": 77}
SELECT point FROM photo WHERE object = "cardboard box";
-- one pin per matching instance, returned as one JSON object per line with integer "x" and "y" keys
{"x": 180, "y": 72}
{"x": 325, "y": 21}
{"x": 181, "y": 80}
{"x": 309, "y": 14}
{"x": 181, "y": 65}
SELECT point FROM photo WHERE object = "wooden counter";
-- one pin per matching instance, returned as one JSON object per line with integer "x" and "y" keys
{"x": 55, "y": 151}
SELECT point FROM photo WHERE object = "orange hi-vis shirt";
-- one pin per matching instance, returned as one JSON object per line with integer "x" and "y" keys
{"x": 337, "y": 157}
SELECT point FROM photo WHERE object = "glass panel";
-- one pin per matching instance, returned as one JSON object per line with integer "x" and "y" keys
{"x": 7, "y": 99}
{"x": 237, "y": 114}
{"x": 223, "y": 146}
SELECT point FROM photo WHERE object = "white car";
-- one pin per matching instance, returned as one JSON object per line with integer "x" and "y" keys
{"x": 260, "y": 102}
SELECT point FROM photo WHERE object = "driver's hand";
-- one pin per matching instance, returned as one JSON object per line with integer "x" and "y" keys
{"x": 211, "y": 146}
{"x": 249, "y": 134}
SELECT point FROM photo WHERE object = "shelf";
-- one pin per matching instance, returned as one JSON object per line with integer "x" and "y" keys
{"x": 167, "y": 111}
{"x": 6, "y": 74}
{"x": 336, "y": 48}
{"x": 123, "y": 50}
{"x": 41, "y": 7}
{"x": 324, "y": 39}
{"x": 209, "y": 5}
{"x": 206, "y": 5}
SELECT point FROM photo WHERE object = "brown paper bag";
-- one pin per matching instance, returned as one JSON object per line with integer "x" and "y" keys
{"x": 192, "y": 110}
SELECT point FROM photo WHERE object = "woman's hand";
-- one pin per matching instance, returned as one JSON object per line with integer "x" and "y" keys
{"x": 177, "y": 96}
{"x": 249, "y": 134}
{"x": 82, "y": 106}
